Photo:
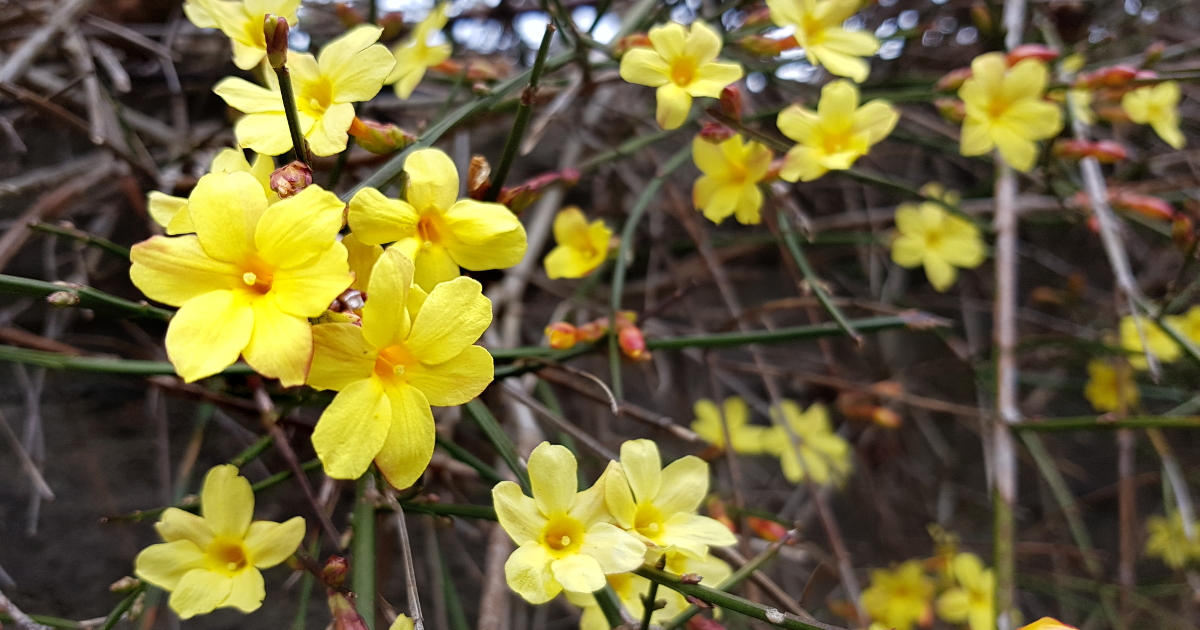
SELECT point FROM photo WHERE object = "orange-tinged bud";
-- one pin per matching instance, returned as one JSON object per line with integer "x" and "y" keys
{"x": 1031, "y": 51}
{"x": 517, "y": 198}
{"x": 952, "y": 109}
{"x": 1105, "y": 151}
{"x": 1183, "y": 231}
{"x": 1109, "y": 151}
{"x": 626, "y": 318}
{"x": 700, "y": 622}
{"x": 592, "y": 331}
{"x": 1111, "y": 76}
{"x": 392, "y": 24}
{"x": 773, "y": 171}
{"x": 348, "y": 15}
{"x": 1047, "y": 623}
{"x": 887, "y": 388}
{"x": 478, "y": 174}
{"x": 1047, "y": 295}
{"x": 345, "y": 616}
{"x": 632, "y": 343}
{"x": 1145, "y": 205}
{"x": 636, "y": 40}
{"x": 767, "y": 530}
{"x": 335, "y": 570}
{"x": 562, "y": 335}
{"x": 951, "y": 81}
{"x": 716, "y": 132}
{"x": 290, "y": 179}
{"x": 764, "y": 46}
{"x": 380, "y": 138}
{"x": 716, "y": 510}
{"x": 732, "y": 104}
{"x": 1154, "y": 54}
{"x": 1071, "y": 149}
{"x": 275, "y": 31}
{"x": 1111, "y": 113}
{"x": 886, "y": 418}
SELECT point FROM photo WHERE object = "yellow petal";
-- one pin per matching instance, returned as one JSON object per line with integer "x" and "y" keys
{"x": 842, "y": 65}
{"x": 340, "y": 357}
{"x": 484, "y": 235}
{"x": 361, "y": 259}
{"x": 643, "y": 468}
{"x": 684, "y": 485}
{"x": 226, "y": 501}
{"x": 453, "y": 317}
{"x": 693, "y": 534}
{"x": 199, "y": 592}
{"x": 568, "y": 262}
{"x": 298, "y": 230}
{"x": 281, "y": 345}
{"x": 615, "y": 550}
{"x": 975, "y": 139}
{"x": 708, "y": 422}
{"x": 941, "y": 275}
{"x": 263, "y": 166}
{"x": 375, "y": 219}
{"x": 527, "y": 572}
{"x": 177, "y": 524}
{"x": 674, "y": 104}
{"x": 271, "y": 543}
{"x": 618, "y": 497}
{"x": 163, "y": 207}
{"x": 517, "y": 513}
{"x": 246, "y": 57}
{"x": 712, "y": 78}
{"x": 578, "y": 573}
{"x": 266, "y": 133}
{"x": 908, "y": 252}
{"x": 434, "y": 265}
{"x": 590, "y": 507}
{"x": 355, "y": 67}
{"x": 432, "y": 180}
{"x": 850, "y": 43}
{"x": 208, "y": 333}
{"x": 385, "y": 320}
{"x": 454, "y": 382}
{"x": 797, "y": 123}
{"x": 1025, "y": 80}
{"x": 229, "y": 160}
{"x": 702, "y": 44}
{"x": 246, "y": 592}
{"x": 331, "y": 131}
{"x": 748, "y": 205}
{"x": 876, "y": 120}
{"x": 164, "y": 565}
{"x": 225, "y": 208}
{"x": 571, "y": 227}
{"x": 352, "y": 429}
{"x": 645, "y": 67}
{"x": 1034, "y": 119}
{"x": 306, "y": 291}
{"x": 198, "y": 14}
{"x": 1018, "y": 151}
{"x": 175, "y": 270}
{"x": 247, "y": 97}
{"x": 552, "y": 477}
{"x": 668, "y": 40}
{"x": 409, "y": 445}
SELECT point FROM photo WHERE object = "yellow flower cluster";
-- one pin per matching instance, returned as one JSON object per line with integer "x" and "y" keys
{"x": 1006, "y": 109}
{"x": 581, "y": 248}
{"x": 1110, "y": 386}
{"x": 929, "y": 236}
{"x": 578, "y": 542}
{"x": 1168, "y": 541}
{"x": 1160, "y": 343}
{"x": 903, "y": 597}
{"x": 1157, "y": 106}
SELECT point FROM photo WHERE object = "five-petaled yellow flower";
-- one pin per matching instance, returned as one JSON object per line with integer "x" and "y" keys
{"x": 732, "y": 170}
{"x": 929, "y": 235}
{"x": 658, "y": 504}
{"x": 249, "y": 278}
{"x": 1047, "y": 623}
{"x": 900, "y": 598}
{"x": 823, "y": 455}
{"x": 631, "y": 588}
{"x": 350, "y": 69}
{"x": 242, "y": 23}
{"x": 564, "y": 537}
{"x": 413, "y": 350}
{"x": 681, "y": 64}
{"x": 171, "y": 212}
{"x": 834, "y": 136}
{"x": 819, "y": 32}
{"x": 1110, "y": 386}
{"x": 1157, "y": 106}
{"x": 213, "y": 561}
{"x": 414, "y": 55}
{"x": 1162, "y": 346}
{"x": 1168, "y": 541}
{"x": 747, "y": 438}
{"x": 1006, "y": 109}
{"x": 582, "y": 246}
{"x": 434, "y": 228}
{"x": 970, "y": 600}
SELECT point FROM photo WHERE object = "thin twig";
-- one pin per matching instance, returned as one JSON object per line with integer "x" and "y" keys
{"x": 27, "y": 463}
{"x": 410, "y": 575}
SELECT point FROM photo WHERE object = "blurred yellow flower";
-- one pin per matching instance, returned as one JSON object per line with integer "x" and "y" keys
{"x": 564, "y": 537}
{"x": 1168, "y": 541}
{"x": 249, "y": 278}
{"x": 1162, "y": 346}
{"x": 415, "y": 55}
{"x": 350, "y": 69}
{"x": 899, "y": 599}
{"x": 834, "y": 136}
{"x": 581, "y": 246}
{"x": 747, "y": 438}
{"x": 413, "y": 350}
{"x": 1157, "y": 106}
{"x": 1110, "y": 387}
{"x": 823, "y": 454}
{"x": 970, "y": 600}
{"x": 242, "y": 23}
{"x": 681, "y": 64}
{"x": 402, "y": 622}
{"x": 930, "y": 236}
{"x": 729, "y": 185}
{"x": 213, "y": 561}
{"x": 1187, "y": 324}
{"x": 1006, "y": 109}
{"x": 1047, "y": 623}
{"x": 1081, "y": 106}
{"x": 171, "y": 212}
{"x": 658, "y": 504}
{"x": 820, "y": 32}
{"x": 631, "y": 588}
{"x": 434, "y": 228}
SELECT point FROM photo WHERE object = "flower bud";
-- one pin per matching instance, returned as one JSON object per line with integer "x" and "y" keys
{"x": 517, "y": 198}
{"x": 952, "y": 109}
{"x": 335, "y": 570}
{"x": 275, "y": 31}
{"x": 764, "y": 46}
{"x": 1031, "y": 51}
{"x": 625, "y": 44}
{"x": 767, "y": 530}
{"x": 63, "y": 299}
{"x": 716, "y": 132}
{"x": 345, "y": 616}
{"x": 348, "y": 15}
{"x": 1183, "y": 231}
{"x": 1071, "y": 149}
{"x": 761, "y": 15}
{"x": 592, "y": 331}
{"x": 632, "y": 343}
{"x": 951, "y": 81}
{"x": 1145, "y": 205}
{"x": 562, "y": 335}
{"x": 124, "y": 585}
{"x": 392, "y": 24}
{"x": 1112, "y": 76}
{"x": 380, "y": 138}
{"x": 478, "y": 174}
{"x": 1109, "y": 151}
{"x": 732, "y": 104}
{"x": 1154, "y": 54}
{"x": 290, "y": 179}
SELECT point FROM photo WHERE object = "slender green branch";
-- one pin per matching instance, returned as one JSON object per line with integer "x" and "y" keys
{"x": 299, "y": 144}
{"x": 610, "y": 605}
{"x": 488, "y": 473}
{"x": 481, "y": 512}
{"x": 649, "y": 600}
{"x": 53, "y": 622}
{"x": 363, "y": 549}
{"x": 914, "y": 319}
{"x": 1064, "y": 498}
{"x": 499, "y": 439}
{"x": 1092, "y": 423}
{"x": 80, "y": 236}
{"x": 735, "y": 578}
{"x": 524, "y": 111}
{"x": 123, "y": 607}
{"x": 135, "y": 367}
{"x": 253, "y": 451}
{"x": 810, "y": 276}
{"x": 627, "y": 148}
{"x": 69, "y": 294}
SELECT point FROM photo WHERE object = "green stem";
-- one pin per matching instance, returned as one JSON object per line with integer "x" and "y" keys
{"x": 306, "y": 587}
{"x": 810, "y": 276}
{"x": 83, "y": 297}
{"x": 735, "y": 578}
{"x": 1064, "y": 498}
{"x": 53, "y": 622}
{"x": 795, "y": 333}
{"x": 1092, "y": 423}
{"x": 648, "y": 600}
{"x": 364, "y": 550}
{"x": 627, "y": 148}
{"x": 481, "y": 512}
{"x": 136, "y": 367}
{"x": 488, "y": 473}
{"x": 252, "y": 452}
{"x": 123, "y": 607}
{"x": 80, "y": 236}
{"x": 524, "y": 111}
{"x": 293, "y": 116}
{"x": 499, "y": 439}
{"x": 610, "y": 605}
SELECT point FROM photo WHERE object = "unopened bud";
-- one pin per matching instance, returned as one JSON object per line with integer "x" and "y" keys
{"x": 1183, "y": 231}
{"x": 1112, "y": 76}
{"x": 1031, "y": 51}
{"x": 690, "y": 578}
{"x": 478, "y": 174}
{"x": 345, "y": 616}
{"x": 764, "y": 46}
{"x": 561, "y": 335}
{"x": 348, "y": 15}
{"x": 767, "y": 530}
{"x": 392, "y": 24}
{"x": 1109, "y": 151}
{"x": 380, "y": 138}
{"x": 124, "y": 585}
{"x": 592, "y": 331}
{"x": 62, "y": 299}
{"x": 335, "y": 570}
{"x": 632, "y": 343}
{"x": 517, "y": 198}
{"x": 350, "y": 300}
{"x": 275, "y": 31}
{"x": 1154, "y": 54}
{"x": 629, "y": 42}
{"x": 290, "y": 179}
{"x": 887, "y": 388}
{"x": 1145, "y": 205}
{"x": 716, "y": 132}
{"x": 732, "y": 104}
{"x": 1071, "y": 149}
{"x": 951, "y": 81}
{"x": 981, "y": 16}
{"x": 952, "y": 109}
{"x": 886, "y": 418}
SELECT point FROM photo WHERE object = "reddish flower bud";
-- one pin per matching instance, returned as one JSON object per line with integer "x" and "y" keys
{"x": 1183, "y": 231}
{"x": 732, "y": 104}
{"x": 348, "y": 15}
{"x": 290, "y": 179}
{"x": 886, "y": 418}
{"x": 1145, "y": 205}
{"x": 1112, "y": 76}
{"x": 1071, "y": 149}
{"x": 517, "y": 198}
{"x": 632, "y": 343}
{"x": 952, "y": 109}
{"x": 275, "y": 31}
{"x": 478, "y": 174}
{"x": 392, "y": 24}
{"x": 716, "y": 132}
{"x": 345, "y": 616}
{"x": 1154, "y": 54}
{"x": 1109, "y": 151}
{"x": 951, "y": 81}
{"x": 562, "y": 336}
{"x": 767, "y": 530}
{"x": 700, "y": 622}
{"x": 887, "y": 388}
{"x": 592, "y": 331}
{"x": 636, "y": 40}
{"x": 1031, "y": 51}
{"x": 380, "y": 138}
{"x": 764, "y": 46}
{"x": 335, "y": 570}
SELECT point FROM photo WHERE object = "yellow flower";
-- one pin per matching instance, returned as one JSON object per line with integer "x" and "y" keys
{"x": 630, "y": 589}
{"x": 1005, "y": 109}
{"x": 835, "y": 135}
{"x": 213, "y": 561}
{"x": 413, "y": 350}
{"x": 658, "y": 504}
{"x": 900, "y": 598}
{"x": 434, "y": 228}
{"x": 1081, "y": 106}
{"x": 971, "y": 599}
{"x": 1157, "y": 106}
{"x": 732, "y": 170}
{"x": 819, "y": 31}
{"x": 928, "y": 235}
{"x": 242, "y": 23}
{"x": 362, "y": 259}
{"x": 402, "y": 622}
{"x": 249, "y": 278}
{"x": 681, "y": 64}
{"x": 1047, "y": 623}
{"x": 350, "y": 69}
{"x": 1168, "y": 541}
{"x": 1109, "y": 387}
{"x": 171, "y": 212}
{"x": 1187, "y": 324}
{"x": 747, "y": 438}
{"x": 826, "y": 455}
{"x": 581, "y": 246}
{"x": 1162, "y": 346}
{"x": 414, "y": 55}
{"x": 564, "y": 537}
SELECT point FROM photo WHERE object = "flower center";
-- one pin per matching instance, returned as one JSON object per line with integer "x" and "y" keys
{"x": 683, "y": 71}
{"x": 648, "y": 521}
{"x": 227, "y": 555}
{"x": 392, "y": 362}
{"x": 257, "y": 276}
{"x": 933, "y": 240}
{"x": 563, "y": 535}
{"x": 315, "y": 97}
{"x": 430, "y": 228}
{"x": 835, "y": 142}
